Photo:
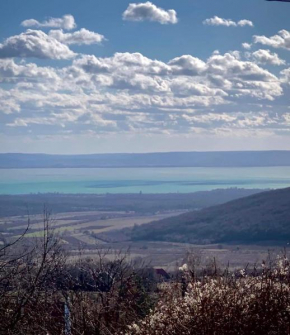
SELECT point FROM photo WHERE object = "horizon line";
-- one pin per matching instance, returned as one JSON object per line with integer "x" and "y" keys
{"x": 142, "y": 153}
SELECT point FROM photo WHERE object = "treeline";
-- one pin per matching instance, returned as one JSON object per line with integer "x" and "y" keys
{"x": 15, "y": 205}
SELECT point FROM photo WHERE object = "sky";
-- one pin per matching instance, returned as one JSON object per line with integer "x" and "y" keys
{"x": 97, "y": 76}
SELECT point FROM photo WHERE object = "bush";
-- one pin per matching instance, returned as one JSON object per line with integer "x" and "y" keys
{"x": 238, "y": 304}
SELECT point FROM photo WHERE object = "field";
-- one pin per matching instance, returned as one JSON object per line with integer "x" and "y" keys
{"x": 89, "y": 231}
{"x": 77, "y": 224}
{"x": 90, "y": 222}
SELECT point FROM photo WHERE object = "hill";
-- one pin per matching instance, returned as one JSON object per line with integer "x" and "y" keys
{"x": 160, "y": 159}
{"x": 264, "y": 217}
{"x": 14, "y": 205}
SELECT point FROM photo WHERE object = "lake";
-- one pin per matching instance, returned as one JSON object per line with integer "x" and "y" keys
{"x": 135, "y": 180}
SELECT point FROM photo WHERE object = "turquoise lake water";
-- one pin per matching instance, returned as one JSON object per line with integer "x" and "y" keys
{"x": 134, "y": 180}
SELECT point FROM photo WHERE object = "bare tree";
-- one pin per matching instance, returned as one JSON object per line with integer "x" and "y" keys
{"x": 42, "y": 291}
{"x": 27, "y": 272}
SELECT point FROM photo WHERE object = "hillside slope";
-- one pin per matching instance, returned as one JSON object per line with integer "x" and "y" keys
{"x": 13, "y": 205}
{"x": 257, "y": 218}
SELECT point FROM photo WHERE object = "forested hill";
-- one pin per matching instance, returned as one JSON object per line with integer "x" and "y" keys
{"x": 14, "y": 205}
{"x": 165, "y": 159}
{"x": 257, "y": 218}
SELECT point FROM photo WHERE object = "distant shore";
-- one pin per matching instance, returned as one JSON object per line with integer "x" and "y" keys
{"x": 148, "y": 160}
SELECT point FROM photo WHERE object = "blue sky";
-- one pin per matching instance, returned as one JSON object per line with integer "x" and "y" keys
{"x": 121, "y": 76}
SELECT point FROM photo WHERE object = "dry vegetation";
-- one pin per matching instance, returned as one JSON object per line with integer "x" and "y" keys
{"x": 41, "y": 292}
{"x": 256, "y": 303}
{"x": 44, "y": 292}
{"x": 80, "y": 224}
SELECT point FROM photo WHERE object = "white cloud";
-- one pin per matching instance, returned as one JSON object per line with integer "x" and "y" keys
{"x": 128, "y": 63}
{"x": 149, "y": 11}
{"x": 131, "y": 93}
{"x": 218, "y": 21}
{"x": 67, "y": 22}
{"x": 247, "y": 46}
{"x": 16, "y": 73}
{"x": 228, "y": 94}
{"x": 243, "y": 23}
{"x": 231, "y": 67}
{"x": 187, "y": 65}
{"x": 186, "y": 87}
{"x": 223, "y": 76}
{"x": 262, "y": 56}
{"x": 286, "y": 76}
{"x": 82, "y": 36}
{"x": 92, "y": 64}
{"x": 282, "y": 40}
{"x": 8, "y": 103}
{"x": 34, "y": 43}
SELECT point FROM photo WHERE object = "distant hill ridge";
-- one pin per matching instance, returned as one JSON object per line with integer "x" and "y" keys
{"x": 162, "y": 159}
{"x": 263, "y": 217}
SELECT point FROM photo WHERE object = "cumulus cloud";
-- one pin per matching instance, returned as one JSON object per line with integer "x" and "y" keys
{"x": 243, "y": 23}
{"x": 149, "y": 11}
{"x": 82, "y": 36}
{"x": 267, "y": 57}
{"x": 127, "y": 63}
{"x": 34, "y": 43}
{"x": 231, "y": 67}
{"x": 8, "y": 103}
{"x": 131, "y": 93}
{"x": 282, "y": 40}
{"x": 91, "y": 64}
{"x": 218, "y": 21}
{"x": 14, "y": 73}
{"x": 67, "y": 22}
{"x": 247, "y": 46}
{"x": 286, "y": 76}
{"x": 186, "y": 87}
{"x": 187, "y": 65}
{"x": 221, "y": 77}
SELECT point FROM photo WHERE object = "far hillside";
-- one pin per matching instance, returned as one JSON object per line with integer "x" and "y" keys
{"x": 263, "y": 217}
{"x": 14, "y": 205}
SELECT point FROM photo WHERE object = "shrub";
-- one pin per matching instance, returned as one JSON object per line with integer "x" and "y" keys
{"x": 239, "y": 304}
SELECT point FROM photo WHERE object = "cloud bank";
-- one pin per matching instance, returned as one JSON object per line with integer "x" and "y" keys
{"x": 234, "y": 93}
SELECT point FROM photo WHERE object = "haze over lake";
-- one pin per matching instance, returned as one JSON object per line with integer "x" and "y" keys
{"x": 135, "y": 180}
